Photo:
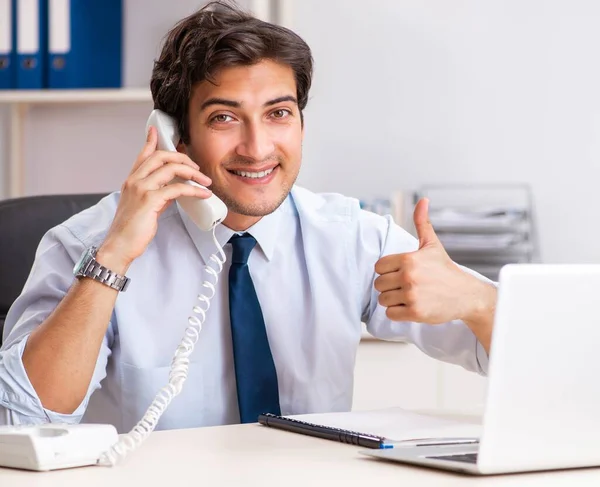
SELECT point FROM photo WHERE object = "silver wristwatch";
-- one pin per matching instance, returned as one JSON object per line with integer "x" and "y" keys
{"x": 88, "y": 266}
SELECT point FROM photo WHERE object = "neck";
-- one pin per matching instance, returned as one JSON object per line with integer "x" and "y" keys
{"x": 239, "y": 223}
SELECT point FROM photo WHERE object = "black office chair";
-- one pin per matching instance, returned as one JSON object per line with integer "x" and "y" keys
{"x": 23, "y": 222}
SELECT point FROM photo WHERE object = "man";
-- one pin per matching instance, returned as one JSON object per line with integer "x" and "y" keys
{"x": 302, "y": 269}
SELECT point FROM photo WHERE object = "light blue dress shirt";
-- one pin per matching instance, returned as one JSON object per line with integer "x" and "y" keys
{"x": 313, "y": 270}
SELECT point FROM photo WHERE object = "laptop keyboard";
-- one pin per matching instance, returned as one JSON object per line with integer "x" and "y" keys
{"x": 463, "y": 457}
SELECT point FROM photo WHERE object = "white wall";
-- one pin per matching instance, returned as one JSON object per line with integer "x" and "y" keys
{"x": 408, "y": 92}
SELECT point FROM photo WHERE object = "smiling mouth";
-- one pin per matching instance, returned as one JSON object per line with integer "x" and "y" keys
{"x": 253, "y": 174}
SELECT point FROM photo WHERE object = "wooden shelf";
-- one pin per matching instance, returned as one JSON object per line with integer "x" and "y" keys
{"x": 30, "y": 97}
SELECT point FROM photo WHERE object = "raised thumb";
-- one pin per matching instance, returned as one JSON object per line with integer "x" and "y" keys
{"x": 425, "y": 232}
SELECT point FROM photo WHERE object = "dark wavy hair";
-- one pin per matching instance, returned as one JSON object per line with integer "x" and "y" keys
{"x": 222, "y": 35}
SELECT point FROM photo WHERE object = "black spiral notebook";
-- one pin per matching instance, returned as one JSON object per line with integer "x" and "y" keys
{"x": 378, "y": 429}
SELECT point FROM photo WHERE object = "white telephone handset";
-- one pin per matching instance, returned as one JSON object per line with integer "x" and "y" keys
{"x": 205, "y": 213}
{"x": 54, "y": 446}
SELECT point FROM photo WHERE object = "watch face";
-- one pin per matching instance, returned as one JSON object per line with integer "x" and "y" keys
{"x": 82, "y": 260}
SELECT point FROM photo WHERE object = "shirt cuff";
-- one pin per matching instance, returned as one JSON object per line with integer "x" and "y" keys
{"x": 482, "y": 359}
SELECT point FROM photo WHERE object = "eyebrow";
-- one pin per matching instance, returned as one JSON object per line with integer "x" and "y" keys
{"x": 275, "y": 101}
{"x": 237, "y": 104}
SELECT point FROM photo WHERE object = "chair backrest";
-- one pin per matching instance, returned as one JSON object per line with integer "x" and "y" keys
{"x": 23, "y": 223}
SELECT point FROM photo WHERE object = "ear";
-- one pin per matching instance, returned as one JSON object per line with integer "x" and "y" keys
{"x": 181, "y": 147}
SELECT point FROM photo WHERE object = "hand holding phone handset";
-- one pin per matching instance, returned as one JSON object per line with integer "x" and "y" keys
{"x": 206, "y": 214}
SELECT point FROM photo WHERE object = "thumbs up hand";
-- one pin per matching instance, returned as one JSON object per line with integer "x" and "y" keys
{"x": 425, "y": 232}
{"x": 426, "y": 286}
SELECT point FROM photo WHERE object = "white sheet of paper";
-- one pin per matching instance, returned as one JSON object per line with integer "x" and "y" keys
{"x": 395, "y": 424}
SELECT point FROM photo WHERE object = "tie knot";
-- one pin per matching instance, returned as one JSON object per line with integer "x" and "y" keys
{"x": 242, "y": 246}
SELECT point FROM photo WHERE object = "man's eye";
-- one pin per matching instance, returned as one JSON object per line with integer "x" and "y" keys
{"x": 222, "y": 118}
{"x": 281, "y": 113}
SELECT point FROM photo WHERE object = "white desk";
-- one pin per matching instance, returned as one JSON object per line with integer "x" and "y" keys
{"x": 251, "y": 455}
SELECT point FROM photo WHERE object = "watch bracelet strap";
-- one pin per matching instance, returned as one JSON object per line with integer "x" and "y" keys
{"x": 99, "y": 273}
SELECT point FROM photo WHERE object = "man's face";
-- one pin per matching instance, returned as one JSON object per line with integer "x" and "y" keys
{"x": 246, "y": 135}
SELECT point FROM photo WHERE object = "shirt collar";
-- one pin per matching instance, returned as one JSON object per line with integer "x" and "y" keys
{"x": 265, "y": 231}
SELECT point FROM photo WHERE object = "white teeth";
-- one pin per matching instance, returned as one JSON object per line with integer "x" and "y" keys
{"x": 254, "y": 175}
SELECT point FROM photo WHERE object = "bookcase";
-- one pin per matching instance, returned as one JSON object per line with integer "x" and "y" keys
{"x": 20, "y": 103}
{"x": 47, "y": 134}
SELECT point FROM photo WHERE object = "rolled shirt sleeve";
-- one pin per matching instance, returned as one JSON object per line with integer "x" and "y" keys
{"x": 49, "y": 280}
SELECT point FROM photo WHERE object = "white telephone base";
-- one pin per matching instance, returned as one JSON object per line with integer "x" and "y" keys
{"x": 54, "y": 446}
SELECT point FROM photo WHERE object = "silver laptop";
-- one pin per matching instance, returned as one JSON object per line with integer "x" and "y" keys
{"x": 543, "y": 398}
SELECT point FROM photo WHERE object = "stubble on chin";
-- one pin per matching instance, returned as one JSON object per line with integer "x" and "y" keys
{"x": 256, "y": 209}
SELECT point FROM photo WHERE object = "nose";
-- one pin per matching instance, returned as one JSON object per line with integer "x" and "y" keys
{"x": 256, "y": 143}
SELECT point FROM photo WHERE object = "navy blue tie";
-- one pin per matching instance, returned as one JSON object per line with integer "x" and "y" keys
{"x": 255, "y": 373}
